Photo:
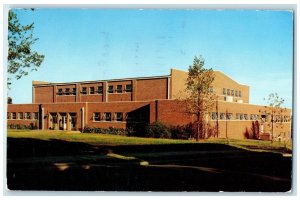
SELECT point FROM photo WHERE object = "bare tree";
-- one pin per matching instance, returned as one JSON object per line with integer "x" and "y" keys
{"x": 274, "y": 111}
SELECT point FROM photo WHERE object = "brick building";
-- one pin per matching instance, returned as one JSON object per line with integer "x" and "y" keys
{"x": 121, "y": 103}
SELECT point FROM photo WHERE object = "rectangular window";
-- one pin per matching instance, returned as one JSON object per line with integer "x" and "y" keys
{"x": 111, "y": 89}
{"x": 224, "y": 91}
{"x": 229, "y": 116}
{"x": 67, "y": 91}
{"x": 228, "y": 92}
{"x": 246, "y": 116}
{"x": 60, "y": 92}
{"x": 119, "y": 88}
{"x": 20, "y": 115}
{"x": 74, "y": 91}
{"x": 96, "y": 117}
{"x": 128, "y": 88}
{"x": 119, "y": 116}
{"x": 27, "y": 115}
{"x": 100, "y": 90}
{"x": 36, "y": 116}
{"x": 210, "y": 89}
{"x": 92, "y": 90}
{"x": 222, "y": 116}
{"x": 8, "y": 115}
{"x": 107, "y": 116}
{"x": 232, "y": 92}
{"x": 240, "y": 93}
{"x": 13, "y": 115}
{"x": 83, "y": 91}
{"x": 236, "y": 93}
{"x": 214, "y": 116}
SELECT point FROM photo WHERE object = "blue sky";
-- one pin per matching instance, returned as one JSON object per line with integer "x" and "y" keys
{"x": 252, "y": 47}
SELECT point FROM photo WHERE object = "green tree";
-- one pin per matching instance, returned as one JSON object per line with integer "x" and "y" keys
{"x": 21, "y": 58}
{"x": 200, "y": 98}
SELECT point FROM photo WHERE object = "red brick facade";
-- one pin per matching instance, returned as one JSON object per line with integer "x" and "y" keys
{"x": 119, "y": 103}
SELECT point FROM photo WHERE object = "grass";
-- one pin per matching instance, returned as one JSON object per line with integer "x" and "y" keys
{"x": 115, "y": 140}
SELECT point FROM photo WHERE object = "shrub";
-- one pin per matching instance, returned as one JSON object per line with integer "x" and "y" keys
{"x": 157, "y": 130}
{"x": 22, "y": 126}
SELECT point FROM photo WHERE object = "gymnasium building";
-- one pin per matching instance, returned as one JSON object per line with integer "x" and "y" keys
{"x": 119, "y": 103}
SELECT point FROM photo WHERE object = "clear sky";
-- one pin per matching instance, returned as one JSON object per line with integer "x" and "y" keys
{"x": 252, "y": 47}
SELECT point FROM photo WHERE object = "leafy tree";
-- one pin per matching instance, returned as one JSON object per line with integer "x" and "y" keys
{"x": 200, "y": 98}
{"x": 9, "y": 100}
{"x": 21, "y": 58}
{"x": 274, "y": 110}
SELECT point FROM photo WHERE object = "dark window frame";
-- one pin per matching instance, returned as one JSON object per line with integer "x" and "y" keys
{"x": 98, "y": 118}
{"x": 128, "y": 88}
{"x": 110, "y": 89}
{"x": 83, "y": 90}
{"x": 92, "y": 90}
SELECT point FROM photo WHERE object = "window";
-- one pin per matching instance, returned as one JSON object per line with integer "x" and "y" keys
{"x": 240, "y": 94}
{"x": 232, "y": 92}
{"x": 128, "y": 88}
{"x": 222, "y": 116}
{"x": 100, "y": 90}
{"x": 83, "y": 90}
{"x": 236, "y": 93}
{"x": 119, "y": 116}
{"x": 60, "y": 92}
{"x": 214, "y": 116}
{"x": 253, "y": 117}
{"x": 20, "y": 115}
{"x": 129, "y": 117}
{"x": 8, "y": 115}
{"x": 224, "y": 91}
{"x": 239, "y": 116}
{"x": 228, "y": 91}
{"x": 67, "y": 91}
{"x": 119, "y": 88}
{"x": 92, "y": 90}
{"x": 107, "y": 116}
{"x": 74, "y": 91}
{"x": 210, "y": 89}
{"x": 246, "y": 116}
{"x": 27, "y": 115}
{"x": 111, "y": 89}
{"x": 96, "y": 117}
{"x": 13, "y": 115}
{"x": 229, "y": 116}
{"x": 36, "y": 116}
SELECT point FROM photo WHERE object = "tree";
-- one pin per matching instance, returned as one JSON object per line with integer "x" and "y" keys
{"x": 9, "y": 100}
{"x": 274, "y": 110}
{"x": 21, "y": 57}
{"x": 200, "y": 98}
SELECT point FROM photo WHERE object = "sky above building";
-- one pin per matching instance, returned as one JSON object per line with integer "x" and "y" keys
{"x": 253, "y": 47}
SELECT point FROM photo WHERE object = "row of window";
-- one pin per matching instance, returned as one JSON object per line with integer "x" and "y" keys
{"x": 119, "y": 116}
{"x": 107, "y": 116}
{"x": 99, "y": 90}
{"x": 21, "y": 115}
{"x": 230, "y": 92}
{"x": 242, "y": 116}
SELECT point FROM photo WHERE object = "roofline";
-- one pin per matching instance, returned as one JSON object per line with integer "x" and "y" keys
{"x": 108, "y": 80}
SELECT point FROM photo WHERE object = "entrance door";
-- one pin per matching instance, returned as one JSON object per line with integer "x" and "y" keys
{"x": 73, "y": 121}
{"x": 63, "y": 121}
{"x": 54, "y": 125}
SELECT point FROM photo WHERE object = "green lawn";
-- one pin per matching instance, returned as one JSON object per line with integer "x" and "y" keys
{"x": 105, "y": 139}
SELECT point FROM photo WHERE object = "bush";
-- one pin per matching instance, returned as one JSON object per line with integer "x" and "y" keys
{"x": 22, "y": 126}
{"x": 157, "y": 130}
{"x": 110, "y": 130}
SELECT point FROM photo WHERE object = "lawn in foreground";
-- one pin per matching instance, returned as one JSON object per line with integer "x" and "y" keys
{"x": 116, "y": 140}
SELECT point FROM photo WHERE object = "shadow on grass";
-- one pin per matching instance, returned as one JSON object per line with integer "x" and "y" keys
{"x": 74, "y": 166}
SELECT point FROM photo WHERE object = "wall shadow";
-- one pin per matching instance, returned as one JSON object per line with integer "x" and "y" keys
{"x": 76, "y": 166}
